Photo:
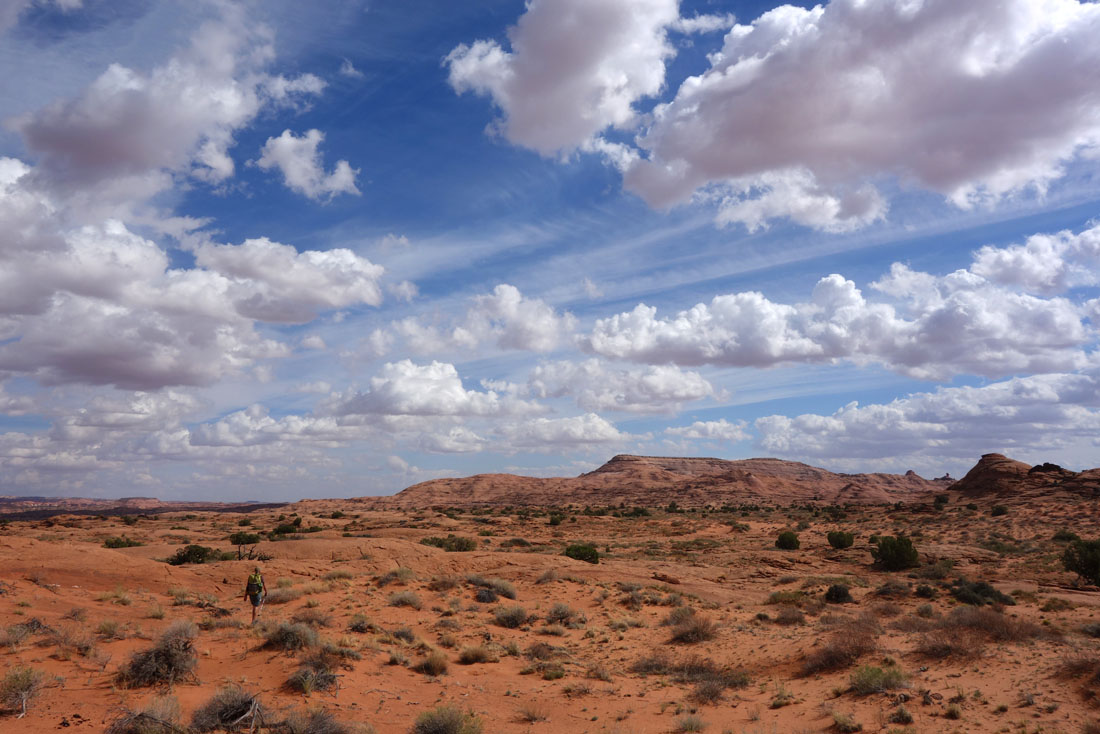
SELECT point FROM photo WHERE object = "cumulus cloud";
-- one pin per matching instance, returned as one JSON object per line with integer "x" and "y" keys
{"x": 704, "y": 23}
{"x": 1045, "y": 264}
{"x": 1028, "y": 416}
{"x": 801, "y": 110}
{"x": 408, "y": 389}
{"x": 505, "y": 317}
{"x": 276, "y": 282}
{"x": 596, "y": 387}
{"x": 299, "y": 160}
{"x": 549, "y": 434}
{"x": 122, "y": 137}
{"x": 961, "y": 323}
{"x": 575, "y": 68}
{"x": 719, "y": 430}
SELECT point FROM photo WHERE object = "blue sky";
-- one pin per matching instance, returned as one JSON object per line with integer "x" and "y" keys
{"x": 265, "y": 251}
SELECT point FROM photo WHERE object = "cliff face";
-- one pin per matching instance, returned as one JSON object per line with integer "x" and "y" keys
{"x": 657, "y": 480}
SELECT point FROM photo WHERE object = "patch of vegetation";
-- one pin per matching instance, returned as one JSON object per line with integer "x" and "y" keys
{"x": 288, "y": 636}
{"x": 788, "y": 540}
{"x": 171, "y": 659}
{"x": 121, "y": 542}
{"x": 694, "y": 629}
{"x": 583, "y": 552}
{"x": 510, "y": 617}
{"x": 869, "y": 679}
{"x": 159, "y": 716}
{"x": 451, "y": 544}
{"x": 1065, "y": 536}
{"x": 843, "y": 648}
{"x": 228, "y": 709}
{"x": 405, "y": 599}
{"x": 838, "y": 594}
{"x": 476, "y": 654}
{"x": 1082, "y": 557}
{"x": 446, "y": 719}
{"x": 195, "y": 553}
{"x": 19, "y": 686}
{"x": 978, "y": 593}
{"x": 895, "y": 553}
{"x": 434, "y": 664}
{"x": 316, "y": 673}
{"x": 998, "y": 511}
{"x": 839, "y": 539}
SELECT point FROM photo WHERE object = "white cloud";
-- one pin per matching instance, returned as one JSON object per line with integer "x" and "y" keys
{"x": 960, "y": 323}
{"x": 719, "y": 430}
{"x": 575, "y": 68}
{"x": 406, "y": 290}
{"x": 1045, "y": 264}
{"x": 275, "y": 282}
{"x": 550, "y": 434}
{"x": 1029, "y": 416}
{"x": 348, "y": 69}
{"x": 803, "y": 110}
{"x": 653, "y": 389}
{"x": 118, "y": 140}
{"x": 504, "y": 316}
{"x": 704, "y": 23}
{"x": 299, "y": 160}
{"x": 407, "y": 389}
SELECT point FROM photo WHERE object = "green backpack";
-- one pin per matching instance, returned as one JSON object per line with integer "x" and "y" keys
{"x": 255, "y": 584}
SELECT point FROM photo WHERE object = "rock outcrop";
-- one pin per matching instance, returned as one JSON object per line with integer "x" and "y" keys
{"x": 998, "y": 477}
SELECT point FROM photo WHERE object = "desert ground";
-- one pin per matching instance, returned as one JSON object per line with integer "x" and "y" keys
{"x": 692, "y": 620}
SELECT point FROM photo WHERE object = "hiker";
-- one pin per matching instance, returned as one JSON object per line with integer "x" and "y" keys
{"x": 255, "y": 591}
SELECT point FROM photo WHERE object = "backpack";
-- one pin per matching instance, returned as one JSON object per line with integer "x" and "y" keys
{"x": 255, "y": 583}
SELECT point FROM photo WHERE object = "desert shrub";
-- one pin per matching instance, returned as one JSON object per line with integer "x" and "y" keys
{"x": 198, "y": 554}
{"x": 314, "y": 721}
{"x": 937, "y": 571}
{"x": 452, "y": 543}
{"x": 561, "y": 613}
{"x": 170, "y": 659}
{"x": 655, "y": 663}
{"x": 227, "y": 709}
{"x": 316, "y": 673}
{"x": 19, "y": 686}
{"x": 1065, "y": 536}
{"x": 895, "y": 553}
{"x": 998, "y": 511}
{"x": 843, "y": 648}
{"x": 548, "y": 576}
{"x": 840, "y": 539}
{"x": 1092, "y": 629}
{"x": 339, "y": 574}
{"x": 788, "y": 540}
{"x": 121, "y": 542}
{"x": 690, "y": 723}
{"x": 360, "y": 623}
{"x": 924, "y": 591}
{"x": 790, "y": 615}
{"x": 950, "y": 643}
{"x": 991, "y": 623}
{"x": 892, "y": 589}
{"x": 312, "y": 617}
{"x": 515, "y": 543}
{"x": 282, "y": 596}
{"x": 1082, "y": 557}
{"x": 869, "y": 679}
{"x": 978, "y": 593}
{"x": 476, "y": 654}
{"x": 498, "y": 586}
{"x": 13, "y": 636}
{"x": 510, "y": 617}
{"x": 446, "y": 719}
{"x": 838, "y": 594}
{"x": 288, "y": 636}
{"x": 583, "y": 552}
{"x": 402, "y": 575}
{"x": 694, "y": 629}
{"x": 485, "y": 595}
{"x": 159, "y": 716}
{"x": 677, "y": 616}
{"x": 404, "y": 634}
{"x": 443, "y": 583}
{"x": 405, "y": 599}
{"x": 434, "y": 663}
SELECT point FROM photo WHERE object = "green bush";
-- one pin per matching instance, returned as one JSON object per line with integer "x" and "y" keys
{"x": 840, "y": 539}
{"x": 198, "y": 554}
{"x": 838, "y": 594}
{"x": 788, "y": 540}
{"x": 451, "y": 544}
{"x": 978, "y": 593}
{"x": 1082, "y": 557}
{"x": 998, "y": 511}
{"x": 1065, "y": 536}
{"x": 583, "y": 552}
{"x": 121, "y": 542}
{"x": 869, "y": 679}
{"x": 895, "y": 553}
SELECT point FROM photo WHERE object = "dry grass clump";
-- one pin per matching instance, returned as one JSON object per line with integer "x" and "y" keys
{"x": 398, "y": 575}
{"x": 443, "y": 583}
{"x": 314, "y": 721}
{"x": 868, "y": 679}
{"x": 228, "y": 709}
{"x": 485, "y": 596}
{"x": 678, "y": 616}
{"x": 963, "y": 632}
{"x": 844, "y": 647}
{"x": 476, "y": 654}
{"x": 316, "y": 673}
{"x": 18, "y": 687}
{"x": 499, "y": 586}
{"x": 950, "y": 643}
{"x": 160, "y": 716}
{"x": 695, "y": 629}
{"x": 405, "y": 599}
{"x": 13, "y": 636}
{"x": 510, "y": 617}
{"x": 312, "y": 617}
{"x": 789, "y": 616}
{"x": 361, "y": 623}
{"x": 288, "y": 636}
{"x": 340, "y": 574}
{"x": 282, "y": 596}
{"x": 434, "y": 664}
{"x": 446, "y": 720}
{"x": 562, "y": 613}
{"x": 171, "y": 659}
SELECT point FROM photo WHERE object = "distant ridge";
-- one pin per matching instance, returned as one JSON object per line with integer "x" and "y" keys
{"x": 999, "y": 477}
{"x": 657, "y": 480}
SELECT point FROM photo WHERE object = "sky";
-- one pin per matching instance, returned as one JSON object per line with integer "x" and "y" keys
{"x": 276, "y": 250}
